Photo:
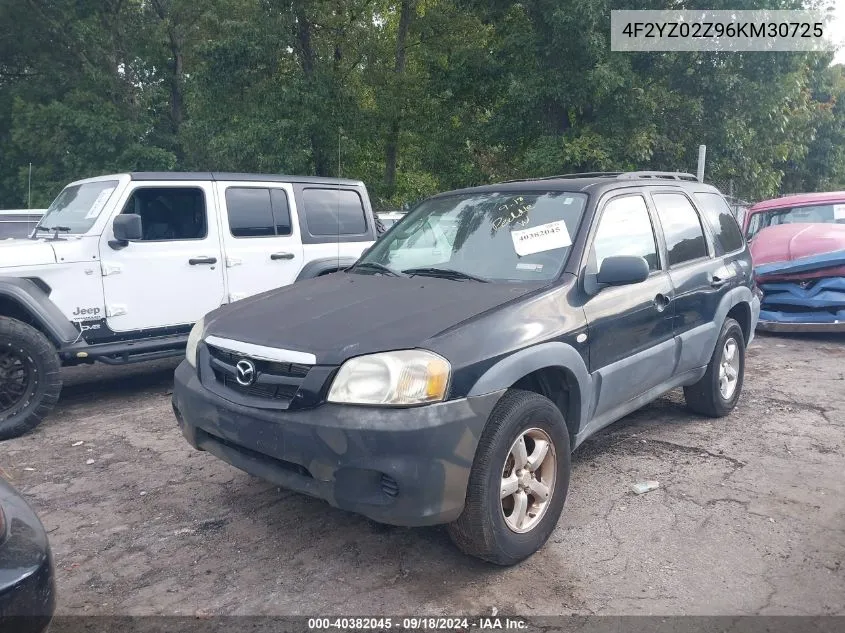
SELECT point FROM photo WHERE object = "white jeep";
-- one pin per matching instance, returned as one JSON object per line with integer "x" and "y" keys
{"x": 120, "y": 267}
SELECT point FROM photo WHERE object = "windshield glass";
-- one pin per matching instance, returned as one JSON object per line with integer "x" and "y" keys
{"x": 496, "y": 236}
{"x": 825, "y": 213}
{"x": 78, "y": 206}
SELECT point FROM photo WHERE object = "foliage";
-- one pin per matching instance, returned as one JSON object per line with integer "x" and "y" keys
{"x": 412, "y": 96}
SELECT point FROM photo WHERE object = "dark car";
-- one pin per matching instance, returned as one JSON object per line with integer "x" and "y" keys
{"x": 27, "y": 585}
{"x": 447, "y": 376}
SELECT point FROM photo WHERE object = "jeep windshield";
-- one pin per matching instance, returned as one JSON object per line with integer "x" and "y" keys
{"x": 492, "y": 236}
{"x": 77, "y": 207}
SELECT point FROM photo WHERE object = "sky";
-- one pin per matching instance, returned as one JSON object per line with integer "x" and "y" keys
{"x": 838, "y": 27}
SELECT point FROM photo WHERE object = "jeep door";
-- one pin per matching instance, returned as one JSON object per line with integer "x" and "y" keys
{"x": 173, "y": 275}
{"x": 699, "y": 279}
{"x": 261, "y": 239}
{"x": 631, "y": 347}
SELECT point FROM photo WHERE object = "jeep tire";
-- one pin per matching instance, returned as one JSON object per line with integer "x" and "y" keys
{"x": 30, "y": 378}
{"x": 718, "y": 391}
{"x": 518, "y": 482}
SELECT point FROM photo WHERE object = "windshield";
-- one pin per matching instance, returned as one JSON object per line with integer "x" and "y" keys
{"x": 495, "y": 236}
{"x": 823, "y": 213}
{"x": 78, "y": 206}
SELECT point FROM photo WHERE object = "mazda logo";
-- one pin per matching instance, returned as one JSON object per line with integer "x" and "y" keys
{"x": 245, "y": 372}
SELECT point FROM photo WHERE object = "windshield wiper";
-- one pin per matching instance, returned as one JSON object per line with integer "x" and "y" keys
{"x": 445, "y": 273}
{"x": 55, "y": 229}
{"x": 379, "y": 268}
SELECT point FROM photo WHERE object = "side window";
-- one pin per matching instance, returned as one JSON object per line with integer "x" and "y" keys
{"x": 334, "y": 212}
{"x": 718, "y": 215}
{"x": 169, "y": 213}
{"x": 625, "y": 229}
{"x": 681, "y": 226}
{"x": 281, "y": 211}
{"x": 257, "y": 212}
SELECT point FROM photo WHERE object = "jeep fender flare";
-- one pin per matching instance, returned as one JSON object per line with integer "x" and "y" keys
{"x": 28, "y": 297}
{"x": 553, "y": 354}
{"x": 317, "y": 267}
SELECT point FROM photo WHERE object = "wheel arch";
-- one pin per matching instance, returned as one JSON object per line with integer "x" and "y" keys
{"x": 25, "y": 301}
{"x": 554, "y": 370}
{"x": 736, "y": 304}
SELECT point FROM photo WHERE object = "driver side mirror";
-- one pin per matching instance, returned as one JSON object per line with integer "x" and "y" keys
{"x": 622, "y": 270}
{"x": 126, "y": 227}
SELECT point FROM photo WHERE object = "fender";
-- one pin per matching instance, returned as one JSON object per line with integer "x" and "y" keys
{"x": 37, "y": 304}
{"x": 742, "y": 294}
{"x": 735, "y": 296}
{"x": 317, "y": 267}
{"x": 553, "y": 354}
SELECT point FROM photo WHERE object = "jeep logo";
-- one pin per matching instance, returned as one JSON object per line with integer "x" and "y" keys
{"x": 86, "y": 312}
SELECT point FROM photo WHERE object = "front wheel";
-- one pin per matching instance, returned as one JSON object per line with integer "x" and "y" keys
{"x": 30, "y": 378}
{"x": 717, "y": 393}
{"x": 518, "y": 483}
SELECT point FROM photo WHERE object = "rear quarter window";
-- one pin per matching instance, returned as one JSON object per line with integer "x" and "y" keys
{"x": 334, "y": 212}
{"x": 721, "y": 221}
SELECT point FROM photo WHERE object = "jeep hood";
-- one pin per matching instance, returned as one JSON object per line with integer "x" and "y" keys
{"x": 25, "y": 252}
{"x": 344, "y": 315}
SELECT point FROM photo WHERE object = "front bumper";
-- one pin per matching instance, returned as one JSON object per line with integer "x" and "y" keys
{"x": 403, "y": 466}
{"x": 27, "y": 583}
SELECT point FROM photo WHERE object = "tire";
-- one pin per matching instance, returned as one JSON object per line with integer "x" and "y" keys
{"x": 706, "y": 396}
{"x": 482, "y": 530}
{"x": 30, "y": 378}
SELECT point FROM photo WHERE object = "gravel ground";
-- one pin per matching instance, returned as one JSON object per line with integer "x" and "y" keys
{"x": 749, "y": 517}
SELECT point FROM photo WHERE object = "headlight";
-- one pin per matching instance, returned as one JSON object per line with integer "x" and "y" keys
{"x": 392, "y": 378}
{"x": 194, "y": 339}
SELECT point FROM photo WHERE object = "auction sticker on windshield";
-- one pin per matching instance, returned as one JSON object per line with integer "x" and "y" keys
{"x": 545, "y": 237}
{"x": 99, "y": 203}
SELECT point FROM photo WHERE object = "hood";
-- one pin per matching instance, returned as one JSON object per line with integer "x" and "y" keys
{"x": 788, "y": 242}
{"x": 25, "y": 252}
{"x": 344, "y": 315}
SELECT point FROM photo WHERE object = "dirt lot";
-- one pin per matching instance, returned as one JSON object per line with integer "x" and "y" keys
{"x": 749, "y": 517}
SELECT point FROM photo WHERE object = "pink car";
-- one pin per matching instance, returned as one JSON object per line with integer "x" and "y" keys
{"x": 798, "y": 250}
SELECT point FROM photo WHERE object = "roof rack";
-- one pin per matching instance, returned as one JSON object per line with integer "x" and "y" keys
{"x": 663, "y": 175}
{"x": 583, "y": 174}
{"x": 619, "y": 175}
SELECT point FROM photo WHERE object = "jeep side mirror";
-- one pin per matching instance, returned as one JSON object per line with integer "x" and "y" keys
{"x": 622, "y": 270}
{"x": 126, "y": 227}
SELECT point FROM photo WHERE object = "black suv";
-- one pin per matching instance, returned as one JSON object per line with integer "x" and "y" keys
{"x": 447, "y": 376}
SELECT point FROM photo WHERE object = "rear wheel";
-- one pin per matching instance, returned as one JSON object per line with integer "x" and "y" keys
{"x": 518, "y": 482}
{"x": 30, "y": 379}
{"x": 718, "y": 391}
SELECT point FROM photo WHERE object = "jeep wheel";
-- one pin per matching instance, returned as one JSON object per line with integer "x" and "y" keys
{"x": 718, "y": 391}
{"x": 30, "y": 381}
{"x": 518, "y": 483}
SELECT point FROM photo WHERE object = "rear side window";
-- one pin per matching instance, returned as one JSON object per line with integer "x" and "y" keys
{"x": 718, "y": 215}
{"x": 681, "y": 227}
{"x": 257, "y": 212}
{"x": 334, "y": 212}
{"x": 625, "y": 229}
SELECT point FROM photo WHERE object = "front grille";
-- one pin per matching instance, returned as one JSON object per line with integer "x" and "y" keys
{"x": 295, "y": 370}
{"x": 274, "y": 381}
{"x": 275, "y": 392}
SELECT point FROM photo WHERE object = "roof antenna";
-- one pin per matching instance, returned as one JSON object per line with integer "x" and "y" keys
{"x": 337, "y": 198}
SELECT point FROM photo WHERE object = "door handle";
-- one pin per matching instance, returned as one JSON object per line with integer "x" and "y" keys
{"x": 276, "y": 256}
{"x": 202, "y": 260}
{"x": 661, "y": 302}
{"x": 717, "y": 282}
